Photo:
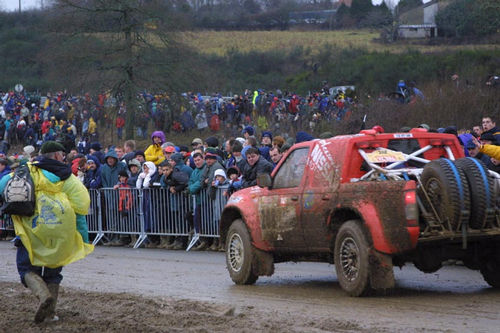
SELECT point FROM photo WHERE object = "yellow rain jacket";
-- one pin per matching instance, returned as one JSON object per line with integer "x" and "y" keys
{"x": 491, "y": 151}
{"x": 154, "y": 154}
{"x": 50, "y": 236}
{"x": 92, "y": 126}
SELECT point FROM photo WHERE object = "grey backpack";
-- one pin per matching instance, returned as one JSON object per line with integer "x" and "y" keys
{"x": 19, "y": 193}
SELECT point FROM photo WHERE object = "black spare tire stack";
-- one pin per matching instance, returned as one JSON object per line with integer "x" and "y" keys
{"x": 459, "y": 192}
{"x": 482, "y": 192}
{"x": 447, "y": 193}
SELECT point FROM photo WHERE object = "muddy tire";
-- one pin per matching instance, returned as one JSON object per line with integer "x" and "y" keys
{"x": 447, "y": 188}
{"x": 239, "y": 254}
{"x": 482, "y": 195}
{"x": 352, "y": 247}
{"x": 490, "y": 269}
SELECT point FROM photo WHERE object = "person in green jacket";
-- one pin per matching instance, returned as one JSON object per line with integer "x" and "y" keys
{"x": 195, "y": 186}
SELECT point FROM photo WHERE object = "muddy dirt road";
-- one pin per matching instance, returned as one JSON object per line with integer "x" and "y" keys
{"x": 121, "y": 289}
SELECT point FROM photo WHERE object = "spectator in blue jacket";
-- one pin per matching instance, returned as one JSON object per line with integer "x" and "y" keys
{"x": 92, "y": 179}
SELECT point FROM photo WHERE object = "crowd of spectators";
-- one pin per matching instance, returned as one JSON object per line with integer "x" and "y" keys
{"x": 233, "y": 162}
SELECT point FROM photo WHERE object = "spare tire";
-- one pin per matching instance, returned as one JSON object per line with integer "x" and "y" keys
{"x": 448, "y": 192}
{"x": 482, "y": 191}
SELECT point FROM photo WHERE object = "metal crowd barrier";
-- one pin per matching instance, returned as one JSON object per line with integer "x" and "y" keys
{"x": 211, "y": 209}
{"x": 156, "y": 211}
{"x": 94, "y": 218}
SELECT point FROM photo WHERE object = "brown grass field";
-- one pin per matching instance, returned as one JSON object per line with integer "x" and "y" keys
{"x": 220, "y": 42}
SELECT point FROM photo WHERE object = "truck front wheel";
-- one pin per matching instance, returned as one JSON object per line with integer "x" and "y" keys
{"x": 352, "y": 259}
{"x": 239, "y": 254}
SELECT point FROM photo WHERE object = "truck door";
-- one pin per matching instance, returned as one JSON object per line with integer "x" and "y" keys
{"x": 319, "y": 196}
{"x": 280, "y": 207}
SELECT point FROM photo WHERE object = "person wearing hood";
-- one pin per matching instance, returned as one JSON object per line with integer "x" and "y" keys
{"x": 146, "y": 179}
{"x": 111, "y": 169}
{"x": 154, "y": 153}
{"x": 177, "y": 162}
{"x": 56, "y": 234}
{"x": 92, "y": 178}
{"x": 134, "y": 167}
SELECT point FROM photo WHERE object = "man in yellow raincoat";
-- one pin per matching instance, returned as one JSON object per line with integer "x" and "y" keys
{"x": 57, "y": 233}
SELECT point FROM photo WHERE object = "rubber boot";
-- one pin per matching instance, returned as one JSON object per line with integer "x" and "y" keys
{"x": 39, "y": 288}
{"x": 133, "y": 239}
{"x": 215, "y": 245}
{"x": 54, "y": 291}
{"x": 178, "y": 244}
{"x": 163, "y": 242}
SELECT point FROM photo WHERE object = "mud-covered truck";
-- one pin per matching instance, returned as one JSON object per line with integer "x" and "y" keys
{"x": 365, "y": 203}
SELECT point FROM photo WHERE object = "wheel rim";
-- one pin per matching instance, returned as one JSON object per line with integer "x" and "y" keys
{"x": 349, "y": 259}
{"x": 235, "y": 252}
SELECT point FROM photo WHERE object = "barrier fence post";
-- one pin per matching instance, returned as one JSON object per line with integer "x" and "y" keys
{"x": 143, "y": 235}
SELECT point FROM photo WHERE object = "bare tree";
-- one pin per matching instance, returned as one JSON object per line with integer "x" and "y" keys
{"x": 123, "y": 46}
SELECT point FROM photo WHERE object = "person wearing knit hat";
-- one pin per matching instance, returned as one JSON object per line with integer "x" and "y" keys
{"x": 212, "y": 142}
{"x": 95, "y": 150}
{"x": 96, "y": 146}
{"x": 302, "y": 137}
{"x": 240, "y": 140}
{"x": 51, "y": 147}
{"x": 28, "y": 151}
{"x": 211, "y": 156}
{"x": 326, "y": 135}
{"x": 123, "y": 173}
{"x": 139, "y": 155}
{"x": 220, "y": 172}
{"x": 177, "y": 158}
{"x": 247, "y": 131}
{"x": 267, "y": 138}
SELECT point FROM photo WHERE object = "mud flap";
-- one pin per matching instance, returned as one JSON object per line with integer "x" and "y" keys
{"x": 263, "y": 263}
{"x": 381, "y": 270}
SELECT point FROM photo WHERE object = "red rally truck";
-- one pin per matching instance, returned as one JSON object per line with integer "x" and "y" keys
{"x": 365, "y": 203}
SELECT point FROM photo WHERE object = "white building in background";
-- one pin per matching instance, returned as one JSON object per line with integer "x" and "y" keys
{"x": 426, "y": 29}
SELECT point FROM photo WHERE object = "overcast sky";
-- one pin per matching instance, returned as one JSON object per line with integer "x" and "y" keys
{"x": 14, "y": 4}
{"x": 25, "y": 4}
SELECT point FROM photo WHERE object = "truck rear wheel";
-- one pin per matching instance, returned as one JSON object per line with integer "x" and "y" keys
{"x": 239, "y": 254}
{"x": 490, "y": 269}
{"x": 352, "y": 259}
{"x": 448, "y": 192}
{"x": 482, "y": 195}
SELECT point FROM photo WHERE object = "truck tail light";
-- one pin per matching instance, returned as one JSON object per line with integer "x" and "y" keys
{"x": 411, "y": 208}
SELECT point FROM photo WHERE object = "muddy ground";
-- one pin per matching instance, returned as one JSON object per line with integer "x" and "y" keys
{"x": 111, "y": 312}
{"x": 150, "y": 290}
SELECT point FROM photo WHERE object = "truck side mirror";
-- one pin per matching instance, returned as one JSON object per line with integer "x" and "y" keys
{"x": 264, "y": 180}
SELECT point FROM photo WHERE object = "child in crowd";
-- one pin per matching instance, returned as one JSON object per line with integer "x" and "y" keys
{"x": 125, "y": 201}
{"x": 234, "y": 181}
{"x": 220, "y": 185}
